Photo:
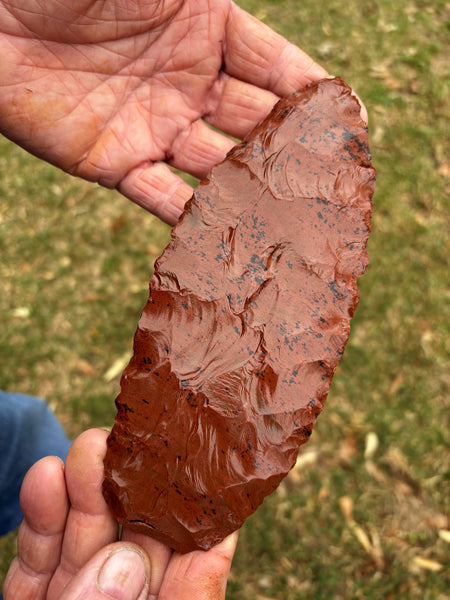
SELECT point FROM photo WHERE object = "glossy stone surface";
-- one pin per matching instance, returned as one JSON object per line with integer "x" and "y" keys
{"x": 247, "y": 318}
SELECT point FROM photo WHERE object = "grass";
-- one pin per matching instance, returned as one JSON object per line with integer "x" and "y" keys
{"x": 365, "y": 513}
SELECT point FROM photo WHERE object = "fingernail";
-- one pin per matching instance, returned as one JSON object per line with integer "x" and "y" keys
{"x": 229, "y": 543}
{"x": 123, "y": 575}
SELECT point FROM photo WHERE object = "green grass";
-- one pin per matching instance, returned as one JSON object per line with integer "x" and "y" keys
{"x": 75, "y": 264}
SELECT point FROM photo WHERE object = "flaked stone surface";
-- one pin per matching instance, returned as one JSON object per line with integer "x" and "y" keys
{"x": 247, "y": 318}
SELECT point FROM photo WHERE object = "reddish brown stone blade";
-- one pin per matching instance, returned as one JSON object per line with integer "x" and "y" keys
{"x": 247, "y": 319}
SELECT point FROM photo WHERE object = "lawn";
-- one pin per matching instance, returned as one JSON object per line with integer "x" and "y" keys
{"x": 364, "y": 515}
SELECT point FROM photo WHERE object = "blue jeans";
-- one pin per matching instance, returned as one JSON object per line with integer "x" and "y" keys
{"x": 28, "y": 431}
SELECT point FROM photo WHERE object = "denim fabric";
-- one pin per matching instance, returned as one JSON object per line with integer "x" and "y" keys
{"x": 28, "y": 431}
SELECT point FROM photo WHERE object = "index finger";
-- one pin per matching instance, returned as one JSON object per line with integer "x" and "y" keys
{"x": 253, "y": 52}
{"x": 90, "y": 524}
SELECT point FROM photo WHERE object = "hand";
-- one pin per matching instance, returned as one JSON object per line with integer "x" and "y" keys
{"x": 69, "y": 534}
{"x": 112, "y": 90}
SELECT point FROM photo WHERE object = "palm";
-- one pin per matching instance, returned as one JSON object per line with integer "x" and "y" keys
{"x": 113, "y": 90}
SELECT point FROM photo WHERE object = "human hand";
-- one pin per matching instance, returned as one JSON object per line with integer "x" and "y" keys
{"x": 69, "y": 534}
{"x": 115, "y": 91}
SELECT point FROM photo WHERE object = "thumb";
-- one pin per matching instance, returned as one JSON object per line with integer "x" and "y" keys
{"x": 199, "y": 574}
{"x": 120, "y": 571}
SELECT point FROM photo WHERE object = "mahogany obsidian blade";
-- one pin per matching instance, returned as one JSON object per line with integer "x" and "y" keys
{"x": 247, "y": 318}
